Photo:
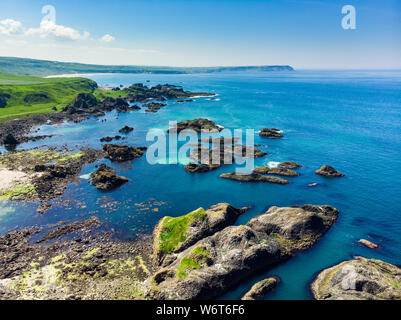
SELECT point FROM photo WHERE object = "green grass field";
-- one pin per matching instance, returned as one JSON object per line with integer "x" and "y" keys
{"x": 32, "y": 95}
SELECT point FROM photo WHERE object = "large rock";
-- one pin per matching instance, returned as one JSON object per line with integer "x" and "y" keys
{"x": 215, "y": 263}
{"x": 296, "y": 227}
{"x": 359, "y": 279}
{"x": 272, "y": 133}
{"x": 329, "y": 171}
{"x": 276, "y": 171}
{"x": 197, "y": 125}
{"x": 261, "y": 288}
{"x": 122, "y": 153}
{"x": 126, "y": 129}
{"x": 253, "y": 177}
{"x": 173, "y": 235}
{"x": 105, "y": 178}
{"x": 289, "y": 165}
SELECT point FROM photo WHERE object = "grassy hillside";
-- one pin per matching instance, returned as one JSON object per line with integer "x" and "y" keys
{"x": 40, "y": 68}
{"x": 21, "y": 96}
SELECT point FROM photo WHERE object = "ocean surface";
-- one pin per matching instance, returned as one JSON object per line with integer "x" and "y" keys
{"x": 348, "y": 119}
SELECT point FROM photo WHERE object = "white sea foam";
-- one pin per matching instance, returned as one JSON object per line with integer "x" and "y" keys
{"x": 273, "y": 164}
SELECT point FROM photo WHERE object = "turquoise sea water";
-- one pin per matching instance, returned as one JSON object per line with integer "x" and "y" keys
{"x": 350, "y": 120}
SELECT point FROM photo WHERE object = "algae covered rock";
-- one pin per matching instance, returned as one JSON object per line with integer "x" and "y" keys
{"x": 276, "y": 171}
{"x": 211, "y": 265}
{"x": 173, "y": 235}
{"x": 359, "y": 279}
{"x": 122, "y": 153}
{"x": 289, "y": 165}
{"x": 105, "y": 178}
{"x": 197, "y": 125}
{"x": 272, "y": 133}
{"x": 329, "y": 171}
{"x": 253, "y": 177}
{"x": 261, "y": 288}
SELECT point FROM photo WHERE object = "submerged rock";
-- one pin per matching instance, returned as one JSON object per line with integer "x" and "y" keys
{"x": 272, "y": 133}
{"x": 311, "y": 185}
{"x": 105, "y": 178}
{"x": 369, "y": 244}
{"x": 213, "y": 262}
{"x": 329, "y": 171}
{"x": 122, "y": 153}
{"x": 261, "y": 288}
{"x": 253, "y": 177}
{"x": 197, "y": 125}
{"x": 289, "y": 165}
{"x": 276, "y": 171}
{"x": 359, "y": 279}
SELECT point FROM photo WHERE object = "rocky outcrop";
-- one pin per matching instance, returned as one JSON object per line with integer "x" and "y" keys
{"x": 369, "y": 244}
{"x": 253, "y": 177}
{"x": 108, "y": 139}
{"x": 272, "y": 133}
{"x": 198, "y": 125}
{"x": 154, "y": 106}
{"x": 126, "y": 129}
{"x": 194, "y": 167}
{"x": 217, "y": 261}
{"x": 359, "y": 279}
{"x": 261, "y": 288}
{"x": 122, "y": 153}
{"x": 173, "y": 235}
{"x": 247, "y": 151}
{"x": 276, "y": 171}
{"x": 329, "y": 171}
{"x": 10, "y": 141}
{"x": 289, "y": 165}
{"x": 105, "y": 178}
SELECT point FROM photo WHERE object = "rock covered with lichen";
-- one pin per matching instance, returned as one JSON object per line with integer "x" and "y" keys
{"x": 359, "y": 279}
{"x": 208, "y": 267}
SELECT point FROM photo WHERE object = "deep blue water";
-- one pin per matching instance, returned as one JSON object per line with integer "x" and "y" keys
{"x": 350, "y": 120}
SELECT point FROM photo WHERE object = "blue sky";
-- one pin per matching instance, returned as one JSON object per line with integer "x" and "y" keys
{"x": 306, "y": 34}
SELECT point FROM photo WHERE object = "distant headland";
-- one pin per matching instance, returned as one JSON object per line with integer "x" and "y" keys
{"x": 42, "y": 68}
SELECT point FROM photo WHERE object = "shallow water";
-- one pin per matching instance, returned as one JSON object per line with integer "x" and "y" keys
{"x": 350, "y": 120}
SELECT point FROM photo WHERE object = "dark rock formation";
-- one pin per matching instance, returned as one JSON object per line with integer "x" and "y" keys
{"x": 329, "y": 171}
{"x": 247, "y": 151}
{"x": 272, "y": 133}
{"x": 253, "y": 177}
{"x": 193, "y": 167}
{"x": 9, "y": 140}
{"x": 105, "y": 178}
{"x": 108, "y": 139}
{"x": 197, "y": 125}
{"x": 276, "y": 171}
{"x": 126, "y": 129}
{"x": 289, "y": 165}
{"x": 261, "y": 288}
{"x": 212, "y": 263}
{"x": 122, "y": 153}
{"x": 359, "y": 279}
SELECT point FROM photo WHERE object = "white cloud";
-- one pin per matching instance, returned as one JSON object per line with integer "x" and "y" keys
{"x": 107, "y": 38}
{"x": 16, "y": 42}
{"x": 10, "y": 27}
{"x": 50, "y": 29}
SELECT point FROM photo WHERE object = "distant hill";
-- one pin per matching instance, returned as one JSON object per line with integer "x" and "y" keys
{"x": 41, "y": 68}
